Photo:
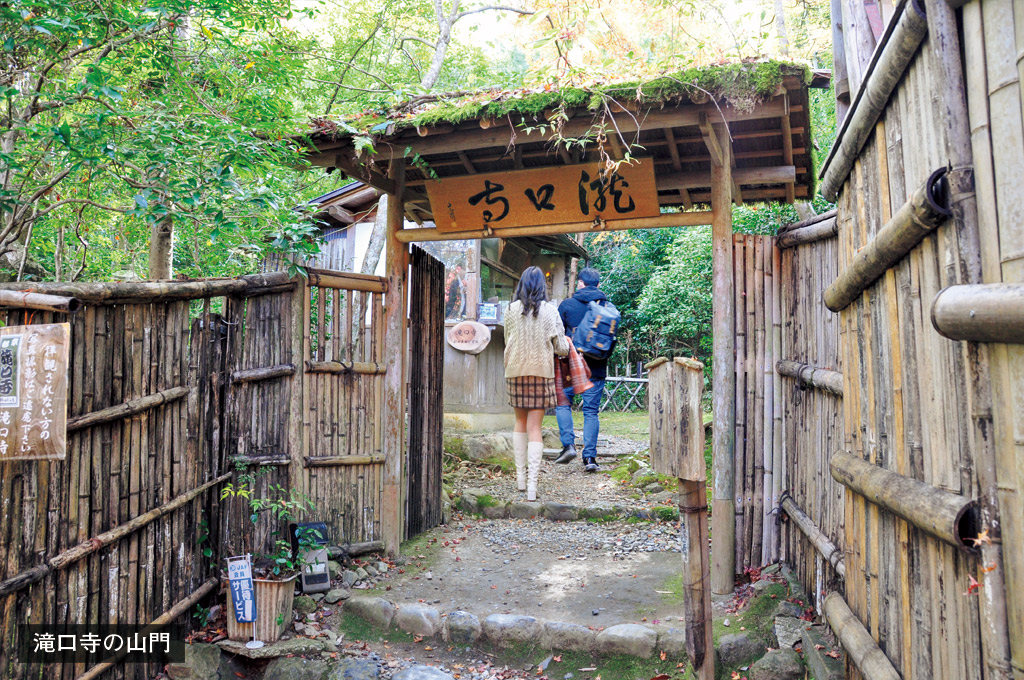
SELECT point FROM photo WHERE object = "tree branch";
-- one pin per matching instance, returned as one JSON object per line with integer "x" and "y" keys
{"x": 81, "y": 201}
{"x": 501, "y": 8}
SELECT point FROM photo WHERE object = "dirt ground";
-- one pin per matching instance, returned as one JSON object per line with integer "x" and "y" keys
{"x": 544, "y": 569}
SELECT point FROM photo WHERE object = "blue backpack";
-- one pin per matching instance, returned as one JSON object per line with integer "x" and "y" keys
{"x": 595, "y": 335}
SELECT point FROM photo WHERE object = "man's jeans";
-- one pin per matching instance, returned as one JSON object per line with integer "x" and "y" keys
{"x": 591, "y": 427}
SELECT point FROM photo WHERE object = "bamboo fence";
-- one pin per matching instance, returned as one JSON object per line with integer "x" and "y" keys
{"x": 937, "y": 418}
{"x": 810, "y": 409}
{"x": 758, "y": 341}
{"x": 167, "y": 401}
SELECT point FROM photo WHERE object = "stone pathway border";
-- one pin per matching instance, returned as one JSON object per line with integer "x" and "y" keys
{"x": 496, "y": 508}
{"x": 505, "y": 630}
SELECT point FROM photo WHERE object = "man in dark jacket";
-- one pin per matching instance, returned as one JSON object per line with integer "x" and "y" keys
{"x": 572, "y": 312}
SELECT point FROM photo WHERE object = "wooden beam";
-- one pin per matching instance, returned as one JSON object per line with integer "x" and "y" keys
{"x": 694, "y": 180}
{"x": 677, "y": 164}
{"x": 363, "y": 173}
{"x": 680, "y": 219}
{"x": 251, "y": 375}
{"x": 749, "y": 194}
{"x": 466, "y": 163}
{"x": 328, "y": 278}
{"x": 787, "y": 153}
{"x": 723, "y": 504}
{"x": 394, "y": 440}
{"x": 710, "y": 139}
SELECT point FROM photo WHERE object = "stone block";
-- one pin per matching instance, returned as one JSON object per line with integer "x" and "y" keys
{"x": 627, "y": 638}
{"x": 568, "y": 636}
{"x": 375, "y": 610}
{"x": 418, "y": 619}
{"x": 505, "y": 630}
{"x": 462, "y": 628}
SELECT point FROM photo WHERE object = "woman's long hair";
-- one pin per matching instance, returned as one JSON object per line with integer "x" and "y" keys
{"x": 532, "y": 290}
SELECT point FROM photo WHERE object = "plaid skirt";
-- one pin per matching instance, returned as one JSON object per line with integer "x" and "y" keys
{"x": 531, "y": 392}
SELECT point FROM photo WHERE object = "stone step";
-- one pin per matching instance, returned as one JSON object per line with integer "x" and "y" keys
{"x": 821, "y": 665}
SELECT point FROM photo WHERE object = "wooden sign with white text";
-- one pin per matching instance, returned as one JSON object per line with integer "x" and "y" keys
{"x": 33, "y": 391}
{"x": 549, "y": 195}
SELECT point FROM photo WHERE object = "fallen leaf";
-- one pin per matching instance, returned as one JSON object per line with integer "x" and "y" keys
{"x": 661, "y": 676}
{"x": 833, "y": 653}
{"x": 663, "y": 655}
{"x": 418, "y": 638}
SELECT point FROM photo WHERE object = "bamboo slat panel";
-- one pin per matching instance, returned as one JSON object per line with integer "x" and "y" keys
{"x": 811, "y": 419}
{"x": 757, "y": 494}
{"x": 908, "y": 392}
{"x": 114, "y": 472}
{"x": 996, "y": 112}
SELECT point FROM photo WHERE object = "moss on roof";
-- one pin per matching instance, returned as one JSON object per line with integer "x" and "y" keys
{"x": 743, "y": 85}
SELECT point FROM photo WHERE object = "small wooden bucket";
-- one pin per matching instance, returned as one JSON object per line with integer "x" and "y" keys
{"x": 273, "y": 604}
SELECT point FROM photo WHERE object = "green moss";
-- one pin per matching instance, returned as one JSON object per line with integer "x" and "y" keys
{"x": 357, "y": 628}
{"x": 617, "y": 666}
{"x": 486, "y": 501}
{"x": 666, "y": 513}
{"x": 742, "y": 85}
{"x": 455, "y": 446}
{"x": 506, "y": 465}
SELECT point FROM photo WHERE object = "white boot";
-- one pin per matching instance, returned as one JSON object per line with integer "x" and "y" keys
{"x": 519, "y": 450}
{"x": 535, "y": 451}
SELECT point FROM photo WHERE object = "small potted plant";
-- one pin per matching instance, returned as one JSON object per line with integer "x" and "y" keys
{"x": 275, "y": 566}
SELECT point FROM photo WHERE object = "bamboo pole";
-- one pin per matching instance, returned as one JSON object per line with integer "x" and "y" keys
{"x": 822, "y": 378}
{"x": 336, "y": 461}
{"x": 945, "y": 515}
{"x": 723, "y": 506}
{"x": 358, "y": 367}
{"x": 680, "y": 219}
{"x": 990, "y": 312}
{"x": 326, "y": 278}
{"x": 964, "y": 181}
{"x": 250, "y": 375}
{"x": 394, "y": 443}
{"x": 857, "y": 641}
{"x": 128, "y": 408}
{"x": 873, "y": 95}
{"x": 829, "y": 550}
{"x": 809, "y": 234}
{"x": 154, "y": 291}
{"x": 159, "y": 622}
{"x": 72, "y": 555}
{"x": 926, "y": 209}
{"x": 50, "y": 303}
{"x": 810, "y": 221}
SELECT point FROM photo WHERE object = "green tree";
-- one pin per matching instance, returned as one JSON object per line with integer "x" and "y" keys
{"x": 121, "y": 119}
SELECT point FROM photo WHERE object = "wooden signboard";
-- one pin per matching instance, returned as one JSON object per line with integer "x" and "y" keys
{"x": 677, "y": 426}
{"x": 33, "y": 391}
{"x": 470, "y": 337}
{"x": 551, "y": 195}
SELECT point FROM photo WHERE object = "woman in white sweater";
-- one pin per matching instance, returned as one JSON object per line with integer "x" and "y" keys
{"x": 533, "y": 336}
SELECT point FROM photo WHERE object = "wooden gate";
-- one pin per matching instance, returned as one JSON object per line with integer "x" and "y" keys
{"x": 426, "y": 401}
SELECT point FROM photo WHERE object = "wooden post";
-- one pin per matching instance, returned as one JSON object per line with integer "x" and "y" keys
{"x": 723, "y": 508}
{"x": 677, "y": 449}
{"x": 472, "y": 279}
{"x": 865, "y": 653}
{"x": 394, "y": 360}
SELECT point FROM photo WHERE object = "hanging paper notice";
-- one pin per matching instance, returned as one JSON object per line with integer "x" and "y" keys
{"x": 33, "y": 391}
{"x": 243, "y": 598}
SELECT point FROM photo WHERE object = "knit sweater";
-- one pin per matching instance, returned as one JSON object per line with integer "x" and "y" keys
{"x": 532, "y": 341}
